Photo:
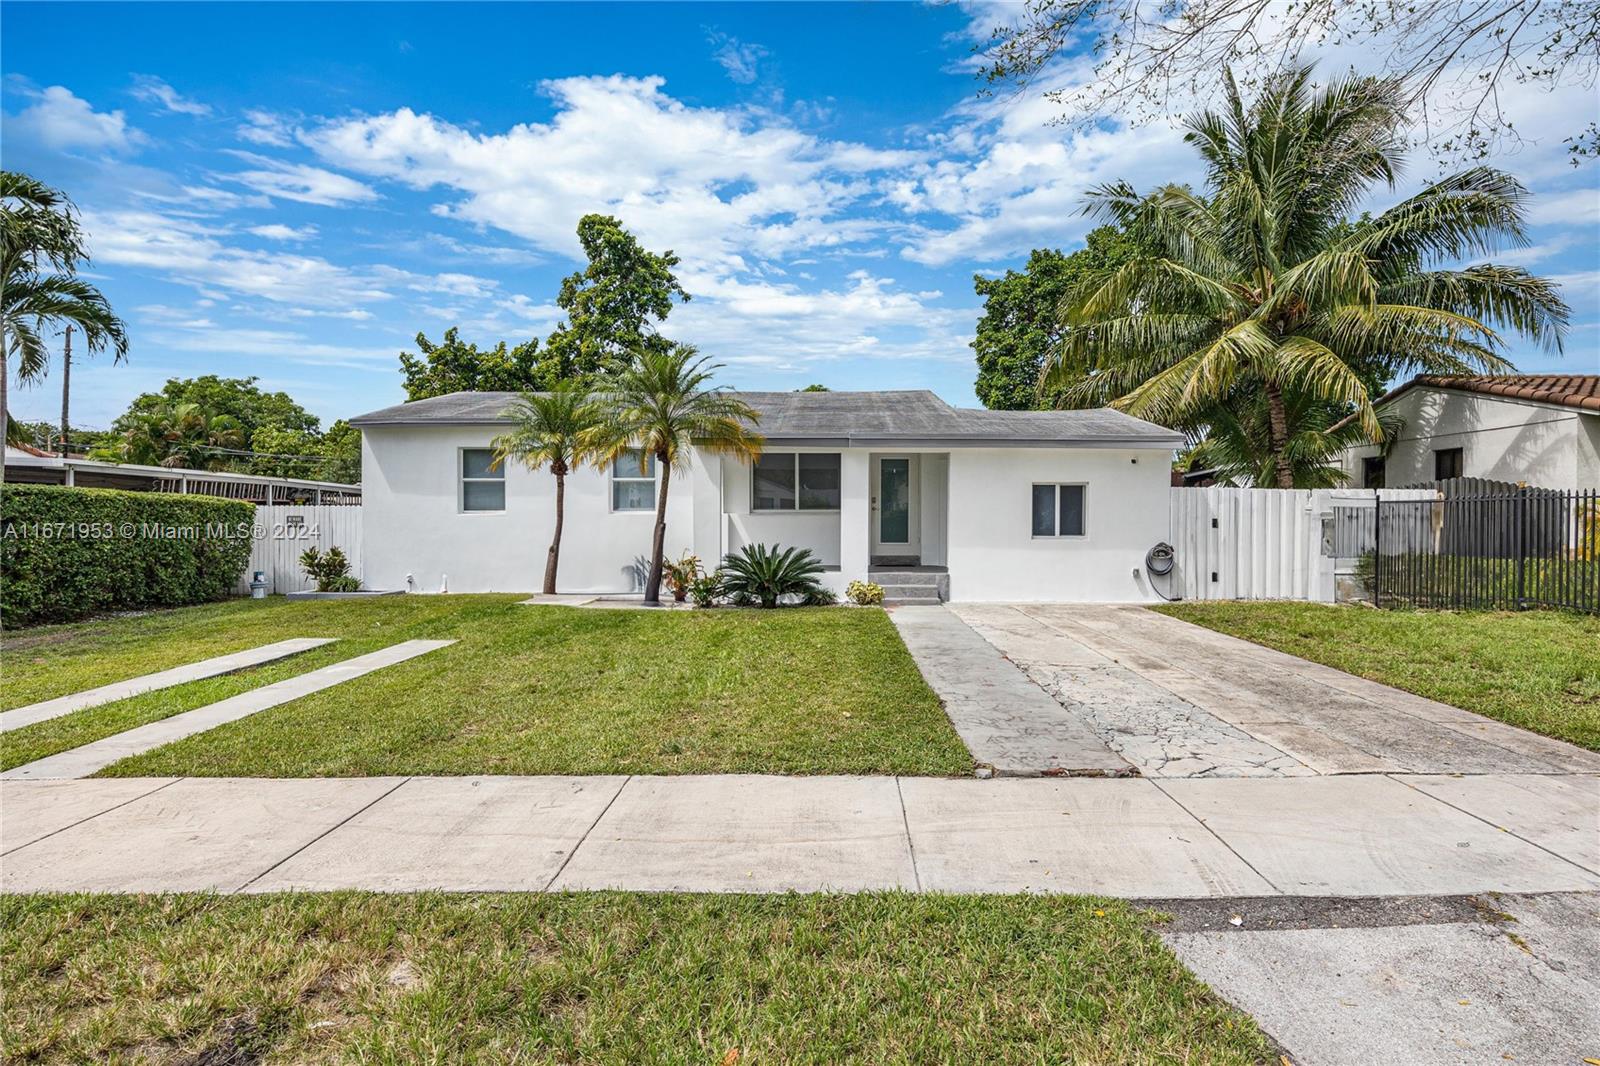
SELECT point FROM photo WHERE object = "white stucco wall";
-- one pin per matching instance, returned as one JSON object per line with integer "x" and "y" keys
{"x": 974, "y": 507}
{"x": 1501, "y": 439}
{"x": 413, "y": 523}
{"x": 993, "y": 554}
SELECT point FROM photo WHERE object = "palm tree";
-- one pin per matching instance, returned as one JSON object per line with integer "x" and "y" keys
{"x": 661, "y": 405}
{"x": 180, "y": 436}
{"x": 41, "y": 248}
{"x": 1261, "y": 285}
{"x": 1237, "y": 441}
{"x": 557, "y": 429}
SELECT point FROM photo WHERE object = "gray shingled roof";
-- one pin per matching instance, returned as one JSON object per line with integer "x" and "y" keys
{"x": 910, "y": 418}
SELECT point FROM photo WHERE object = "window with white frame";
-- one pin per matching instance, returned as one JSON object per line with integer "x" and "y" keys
{"x": 483, "y": 482}
{"x": 633, "y": 482}
{"x": 1058, "y": 510}
{"x": 795, "y": 481}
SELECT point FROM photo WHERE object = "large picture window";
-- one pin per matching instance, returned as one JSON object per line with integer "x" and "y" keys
{"x": 796, "y": 481}
{"x": 633, "y": 486}
{"x": 1058, "y": 510}
{"x": 483, "y": 484}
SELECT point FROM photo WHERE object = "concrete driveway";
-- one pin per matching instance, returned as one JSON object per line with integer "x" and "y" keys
{"x": 1177, "y": 700}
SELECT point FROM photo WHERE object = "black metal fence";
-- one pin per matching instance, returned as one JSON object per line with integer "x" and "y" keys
{"x": 1502, "y": 548}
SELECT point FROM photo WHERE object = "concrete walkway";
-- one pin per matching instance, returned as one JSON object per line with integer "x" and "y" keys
{"x": 97, "y": 755}
{"x": 1178, "y": 700}
{"x": 1337, "y": 836}
{"x": 18, "y": 717}
{"x": 1012, "y": 726}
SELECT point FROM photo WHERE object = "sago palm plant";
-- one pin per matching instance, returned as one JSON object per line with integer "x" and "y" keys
{"x": 663, "y": 404}
{"x": 1262, "y": 285}
{"x": 767, "y": 574}
{"x": 556, "y": 429}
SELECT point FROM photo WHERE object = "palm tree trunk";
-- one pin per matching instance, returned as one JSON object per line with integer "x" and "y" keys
{"x": 658, "y": 547}
{"x": 1278, "y": 434}
{"x": 554, "y": 557}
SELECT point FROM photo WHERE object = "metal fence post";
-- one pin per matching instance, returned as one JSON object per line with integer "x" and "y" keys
{"x": 1377, "y": 547}
{"x": 1522, "y": 544}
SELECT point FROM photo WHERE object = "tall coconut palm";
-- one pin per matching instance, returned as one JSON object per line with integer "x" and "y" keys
{"x": 662, "y": 405}
{"x": 1237, "y": 440}
{"x": 1261, "y": 284}
{"x": 557, "y": 429}
{"x": 41, "y": 248}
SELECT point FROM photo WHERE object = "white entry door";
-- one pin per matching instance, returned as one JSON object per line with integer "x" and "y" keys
{"x": 895, "y": 522}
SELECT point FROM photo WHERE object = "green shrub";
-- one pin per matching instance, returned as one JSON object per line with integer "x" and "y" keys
{"x": 762, "y": 574}
{"x": 705, "y": 589}
{"x": 66, "y": 553}
{"x": 330, "y": 571}
{"x": 866, "y": 593}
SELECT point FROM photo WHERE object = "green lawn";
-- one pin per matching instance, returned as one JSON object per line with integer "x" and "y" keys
{"x": 527, "y": 690}
{"x": 1536, "y": 669}
{"x": 608, "y": 977}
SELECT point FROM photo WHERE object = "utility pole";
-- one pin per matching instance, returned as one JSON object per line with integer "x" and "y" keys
{"x": 66, "y": 385}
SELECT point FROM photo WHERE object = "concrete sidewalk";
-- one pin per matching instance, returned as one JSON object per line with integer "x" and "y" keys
{"x": 1370, "y": 835}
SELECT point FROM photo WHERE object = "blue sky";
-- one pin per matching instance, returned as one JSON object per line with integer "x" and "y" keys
{"x": 294, "y": 191}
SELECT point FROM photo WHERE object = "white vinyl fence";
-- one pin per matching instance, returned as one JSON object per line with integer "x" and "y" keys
{"x": 1271, "y": 544}
{"x": 283, "y": 531}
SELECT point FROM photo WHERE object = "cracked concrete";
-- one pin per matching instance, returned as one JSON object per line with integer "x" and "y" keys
{"x": 1161, "y": 734}
{"x": 1179, "y": 701}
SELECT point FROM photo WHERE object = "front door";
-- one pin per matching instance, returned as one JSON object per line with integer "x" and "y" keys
{"x": 894, "y": 530}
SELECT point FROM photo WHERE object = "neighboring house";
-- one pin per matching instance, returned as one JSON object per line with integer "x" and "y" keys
{"x": 997, "y": 505}
{"x": 1542, "y": 429}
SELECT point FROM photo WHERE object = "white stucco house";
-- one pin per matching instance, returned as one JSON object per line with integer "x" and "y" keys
{"x": 1541, "y": 429}
{"x": 986, "y": 505}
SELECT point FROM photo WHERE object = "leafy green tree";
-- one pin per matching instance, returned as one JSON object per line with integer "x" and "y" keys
{"x": 613, "y": 305}
{"x": 559, "y": 429}
{"x": 179, "y": 435}
{"x": 816, "y": 388}
{"x": 240, "y": 399}
{"x": 661, "y": 404}
{"x": 331, "y": 456}
{"x": 1261, "y": 285}
{"x": 41, "y": 248}
{"x": 456, "y": 366}
{"x": 1021, "y": 319}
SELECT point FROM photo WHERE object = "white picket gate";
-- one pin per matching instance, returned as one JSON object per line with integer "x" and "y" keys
{"x": 1264, "y": 544}
{"x": 283, "y": 531}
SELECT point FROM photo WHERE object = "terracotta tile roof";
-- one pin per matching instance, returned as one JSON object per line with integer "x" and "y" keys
{"x": 1564, "y": 390}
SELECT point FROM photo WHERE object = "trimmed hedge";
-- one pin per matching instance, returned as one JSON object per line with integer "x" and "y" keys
{"x": 66, "y": 553}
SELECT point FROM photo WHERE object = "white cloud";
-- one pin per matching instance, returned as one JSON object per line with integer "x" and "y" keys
{"x": 1577, "y": 207}
{"x": 277, "y": 231}
{"x": 738, "y": 58}
{"x": 265, "y": 128}
{"x": 153, "y": 90}
{"x": 299, "y": 181}
{"x": 194, "y": 253}
{"x": 712, "y": 184}
{"x": 60, "y": 121}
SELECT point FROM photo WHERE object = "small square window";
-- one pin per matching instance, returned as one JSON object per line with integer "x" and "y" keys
{"x": 1446, "y": 463}
{"x": 483, "y": 482}
{"x": 1058, "y": 511}
{"x": 1372, "y": 472}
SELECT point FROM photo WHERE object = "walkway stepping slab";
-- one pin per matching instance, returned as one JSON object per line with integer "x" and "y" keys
{"x": 18, "y": 717}
{"x": 1007, "y": 721}
{"x": 97, "y": 755}
{"x": 499, "y": 834}
{"x": 748, "y": 833}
